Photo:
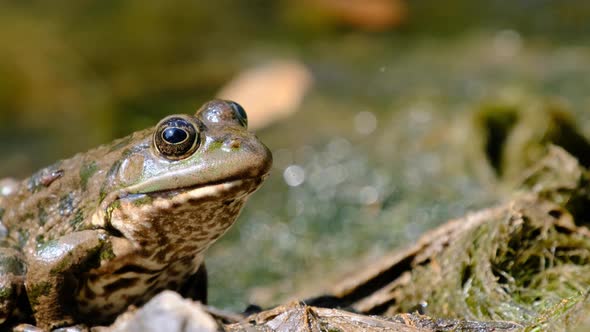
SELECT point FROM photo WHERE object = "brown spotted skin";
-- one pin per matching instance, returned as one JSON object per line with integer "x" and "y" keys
{"x": 87, "y": 236}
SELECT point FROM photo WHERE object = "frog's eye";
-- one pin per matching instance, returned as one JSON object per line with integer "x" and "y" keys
{"x": 176, "y": 137}
{"x": 240, "y": 113}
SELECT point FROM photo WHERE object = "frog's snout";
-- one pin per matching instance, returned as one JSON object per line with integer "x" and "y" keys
{"x": 267, "y": 160}
{"x": 260, "y": 157}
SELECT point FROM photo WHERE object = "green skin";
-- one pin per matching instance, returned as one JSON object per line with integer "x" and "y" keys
{"x": 121, "y": 205}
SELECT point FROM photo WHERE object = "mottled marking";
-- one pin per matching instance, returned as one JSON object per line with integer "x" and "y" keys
{"x": 86, "y": 172}
{"x": 131, "y": 299}
{"x": 173, "y": 273}
{"x": 189, "y": 249}
{"x": 40, "y": 239}
{"x": 77, "y": 219}
{"x": 84, "y": 303}
{"x": 41, "y": 215}
{"x": 29, "y": 216}
{"x": 89, "y": 294}
{"x": 120, "y": 284}
{"x": 107, "y": 253}
{"x": 38, "y": 290}
{"x": 136, "y": 269}
{"x": 152, "y": 279}
{"x": 11, "y": 264}
{"x": 161, "y": 256}
{"x": 66, "y": 204}
{"x": 23, "y": 237}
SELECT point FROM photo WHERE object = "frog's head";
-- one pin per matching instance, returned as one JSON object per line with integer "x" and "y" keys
{"x": 183, "y": 183}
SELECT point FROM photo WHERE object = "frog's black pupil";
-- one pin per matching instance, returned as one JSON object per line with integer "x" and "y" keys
{"x": 176, "y": 138}
{"x": 174, "y": 135}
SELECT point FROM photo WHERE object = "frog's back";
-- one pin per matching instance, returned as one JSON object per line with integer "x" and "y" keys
{"x": 58, "y": 199}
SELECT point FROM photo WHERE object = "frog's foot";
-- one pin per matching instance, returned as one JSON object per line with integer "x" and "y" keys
{"x": 12, "y": 269}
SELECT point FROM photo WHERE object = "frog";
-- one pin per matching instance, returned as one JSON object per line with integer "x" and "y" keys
{"x": 86, "y": 237}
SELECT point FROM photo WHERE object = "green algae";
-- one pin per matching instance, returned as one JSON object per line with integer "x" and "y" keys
{"x": 86, "y": 172}
{"x": 37, "y": 290}
{"x": 107, "y": 253}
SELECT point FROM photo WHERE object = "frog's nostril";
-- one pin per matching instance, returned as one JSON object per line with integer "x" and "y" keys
{"x": 233, "y": 143}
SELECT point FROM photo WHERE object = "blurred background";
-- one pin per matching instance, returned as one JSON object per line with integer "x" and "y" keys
{"x": 385, "y": 117}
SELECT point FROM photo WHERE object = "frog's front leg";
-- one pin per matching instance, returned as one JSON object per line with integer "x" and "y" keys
{"x": 12, "y": 271}
{"x": 51, "y": 277}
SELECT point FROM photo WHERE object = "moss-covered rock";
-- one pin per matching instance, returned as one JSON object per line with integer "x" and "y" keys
{"x": 526, "y": 261}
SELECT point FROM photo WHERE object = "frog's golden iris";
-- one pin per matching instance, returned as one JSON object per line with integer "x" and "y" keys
{"x": 176, "y": 137}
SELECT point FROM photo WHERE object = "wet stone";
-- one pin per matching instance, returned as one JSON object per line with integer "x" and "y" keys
{"x": 167, "y": 311}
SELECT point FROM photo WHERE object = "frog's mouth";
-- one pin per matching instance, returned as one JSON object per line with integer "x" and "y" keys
{"x": 231, "y": 189}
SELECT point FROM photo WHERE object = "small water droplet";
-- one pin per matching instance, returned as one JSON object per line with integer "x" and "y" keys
{"x": 507, "y": 43}
{"x": 368, "y": 195}
{"x": 365, "y": 123}
{"x": 294, "y": 175}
